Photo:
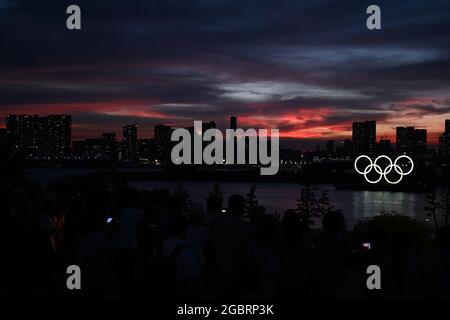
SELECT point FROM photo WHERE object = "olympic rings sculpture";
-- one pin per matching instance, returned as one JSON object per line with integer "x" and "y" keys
{"x": 383, "y": 173}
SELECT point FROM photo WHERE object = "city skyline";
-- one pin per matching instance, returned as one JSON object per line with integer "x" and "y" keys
{"x": 147, "y": 132}
{"x": 311, "y": 70}
{"x": 54, "y": 132}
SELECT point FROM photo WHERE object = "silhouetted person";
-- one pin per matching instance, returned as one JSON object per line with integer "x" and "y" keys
{"x": 189, "y": 274}
{"x": 328, "y": 256}
{"x": 257, "y": 215}
{"x": 295, "y": 250}
{"x": 173, "y": 206}
{"x": 126, "y": 243}
{"x": 197, "y": 233}
{"x": 264, "y": 267}
{"x": 27, "y": 261}
{"x": 437, "y": 268}
{"x": 292, "y": 231}
{"x": 148, "y": 234}
{"x": 95, "y": 256}
{"x": 214, "y": 207}
{"x": 232, "y": 239}
{"x": 401, "y": 268}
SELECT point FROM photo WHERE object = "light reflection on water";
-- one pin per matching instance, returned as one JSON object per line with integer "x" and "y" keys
{"x": 367, "y": 203}
{"x": 278, "y": 197}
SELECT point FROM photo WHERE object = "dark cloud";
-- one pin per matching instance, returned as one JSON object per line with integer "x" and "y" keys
{"x": 300, "y": 65}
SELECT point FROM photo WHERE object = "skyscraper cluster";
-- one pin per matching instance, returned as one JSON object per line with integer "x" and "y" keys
{"x": 49, "y": 135}
{"x": 163, "y": 143}
{"x": 411, "y": 140}
{"x": 364, "y": 136}
{"x": 130, "y": 142}
{"x": 444, "y": 140}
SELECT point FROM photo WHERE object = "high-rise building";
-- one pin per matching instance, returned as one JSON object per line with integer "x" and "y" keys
{"x": 364, "y": 137}
{"x": 56, "y": 134}
{"x": 109, "y": 145}
{"x": 405, "y": 139}
{"x": 441, "y": 145}
{"x": 420, "y": 141}
{"x": 411, "y": 140}
{"x": 163, "y": 143}
{"x": 233, "y": 122}
{"x": 129, "y": 142}
{"x": 94, "y": 148}
{"x": 46, "y": 135}
{"x": 24, "y": 131}
{"x": 446, "y": 139}
{"x": 146, "y": 149}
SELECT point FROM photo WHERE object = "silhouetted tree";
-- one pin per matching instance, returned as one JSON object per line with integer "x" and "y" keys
{"x": 182, "y": 193}
{"x": 307, "y": 205}
{"x": 250, "y": 200}
{"x": 432, "y": 205}
{"x": 216, "y": 192}
{"x": 324, "y": 204}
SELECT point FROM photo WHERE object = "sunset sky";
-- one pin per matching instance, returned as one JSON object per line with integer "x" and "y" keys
{"x": 309, "y": 68}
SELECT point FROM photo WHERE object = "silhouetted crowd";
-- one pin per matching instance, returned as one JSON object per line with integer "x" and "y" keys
{"x": 153, "y": 244}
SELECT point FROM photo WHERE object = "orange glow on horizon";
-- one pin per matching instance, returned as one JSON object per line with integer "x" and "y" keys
{"x": 303, "y": 123}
